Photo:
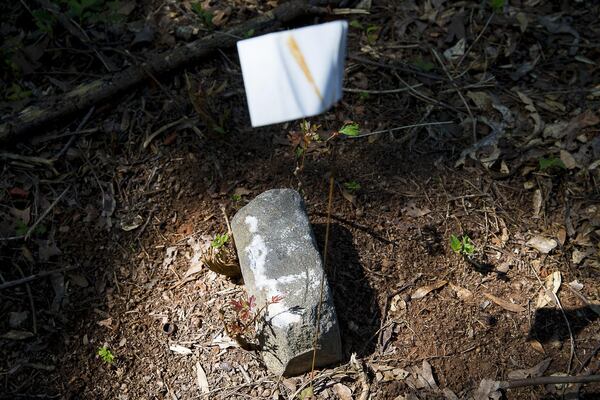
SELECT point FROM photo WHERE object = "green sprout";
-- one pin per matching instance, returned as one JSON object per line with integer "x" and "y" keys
{"x": 462, "y": 245}
{"x": 219, "y": 241}
{"x": 205, "y": 16}
{"x": 249, "y": 33}
{"x": 352, "y": 129}
{"x": 43, "y": 20}
{"x": 497, "y": 5}
{"x": 106, "y": 355}
{"x": 423, "y": 65}
{"x": 363, "y": 96}
{"x": 15, "y": 92}
{"x": 356, "y": 24}
{"x": 236, "y": 197}
{"x": 551, "y": 162}
{"x": 372, "y": 34}
{"x": 352, "y": 186}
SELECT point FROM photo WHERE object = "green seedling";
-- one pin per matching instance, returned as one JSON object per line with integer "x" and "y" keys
{"x": 352, "y": 186}
{"x": 106, "y": 355}
{"x": 15, "y": 92}
{"x": 44, "y": 20}
{"x": 351, "y": 129}
{"x": 219, "y": 241}
{"x": 84, "y": 10}
{"x": 363, "y": 96}
{"x": 423, "y": 65}
{"x": 236, "y": 197}
{"x": 249, "y": 33}
{"x": 372, "y": 34}
{"x": 462, "y": 245}
{"x": 204, "y": 15}
{"x": 356, "y": 24}
{"x": 550, "y": 163}
{"x": 497, "y": 5}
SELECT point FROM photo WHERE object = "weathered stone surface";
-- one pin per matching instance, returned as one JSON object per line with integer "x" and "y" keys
{"x": 279, "y": 256}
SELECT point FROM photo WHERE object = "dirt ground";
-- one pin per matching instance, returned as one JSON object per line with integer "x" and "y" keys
{"x": 109, "y": 218}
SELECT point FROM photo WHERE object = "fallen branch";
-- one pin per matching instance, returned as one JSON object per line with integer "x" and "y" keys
{"x": 30, "y": 278}
{"x": 47, "y": 111}
{"x": 549, "y": 380}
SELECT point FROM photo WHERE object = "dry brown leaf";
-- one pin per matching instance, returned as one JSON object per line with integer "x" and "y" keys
{"x": 424, "y": 290}
{"x": 535, "y": 371}
{"x": 551, "y": 285}
{"x": 342, "y": 392}
{"x": 201, "y": 379}
{"x": 505, "y": 304}
{"x": 412, "y": 210}
{"x": 535, "y": 116}
{"x": 241, "y": 191}
{"x": 462, "y": 293}
{"x": 537, "y": 346}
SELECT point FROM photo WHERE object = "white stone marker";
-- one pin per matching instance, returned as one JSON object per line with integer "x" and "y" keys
{"x": 279, "y": 257}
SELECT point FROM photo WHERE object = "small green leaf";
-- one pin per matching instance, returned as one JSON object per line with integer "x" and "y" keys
{"x": 356, "y": 24}
{"x": 363, "y": 96}
{"x": 219, "y": 241}
{"x": 306, "y": 393}
{"x": 205, "y": 16}
{"x": 372, "y": 34}
{"x": 16, "y": 92}
{"x": 455, "y": 243}
{"x": 106, "y": 355}
{"x": 497, "y": 5}
{"x": 249, "y": 33}
{"x": 236, "y": 197}
{"x": 551, "y": 162}
{"x": 468, "y": 247}
{"x": 21, "y": 228}
{"x": 351, "y": 129}
{"x": 423, "y": 65}
{"x": 352, "y": 186}
{"x": 43, "y": 20}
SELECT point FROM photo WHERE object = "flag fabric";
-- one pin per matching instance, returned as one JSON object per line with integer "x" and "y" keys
{"x": 293, "y": 74}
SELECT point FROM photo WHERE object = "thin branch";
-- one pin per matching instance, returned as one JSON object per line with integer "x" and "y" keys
{"x": 549, "y": 380}
{"x": 389, "y": 91}
{"x": 401, "y": 127}
{"x": 476, "y": 40}
{"x": 30, "y": 278}
{"x": 46, "y": 212}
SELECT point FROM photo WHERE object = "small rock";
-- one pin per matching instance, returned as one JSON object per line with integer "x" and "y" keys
{"x": 542, "y": 244}
{"x": 279, "y": 256}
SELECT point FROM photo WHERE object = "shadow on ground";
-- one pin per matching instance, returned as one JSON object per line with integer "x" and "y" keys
{"x": 355, "y": 301}
{"x": 549, "y": 323}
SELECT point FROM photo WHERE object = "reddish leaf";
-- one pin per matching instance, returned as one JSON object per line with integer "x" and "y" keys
{"x": 18, "y": 192}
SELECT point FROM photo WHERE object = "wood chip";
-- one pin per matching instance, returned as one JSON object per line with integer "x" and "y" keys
{"x": 175, "y": 348}
{"x": 201, "y": 379}
{"x": 505, "y": 304}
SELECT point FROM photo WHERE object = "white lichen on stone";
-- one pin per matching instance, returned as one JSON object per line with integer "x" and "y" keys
{"x": 257, "y": 254}
{"x": 252, "y": 223}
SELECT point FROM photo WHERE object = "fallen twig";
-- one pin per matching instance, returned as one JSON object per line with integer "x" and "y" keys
{"x": 401, "y": 128}
{"x": 30, "y": 278}
{"x": 45, "y": 213}
{"x": 549, "y": 380}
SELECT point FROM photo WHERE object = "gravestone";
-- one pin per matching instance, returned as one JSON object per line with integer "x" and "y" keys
{"x": 279, "y": 257}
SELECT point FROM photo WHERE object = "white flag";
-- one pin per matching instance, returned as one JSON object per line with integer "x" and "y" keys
{"x": 293, "y": 74}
